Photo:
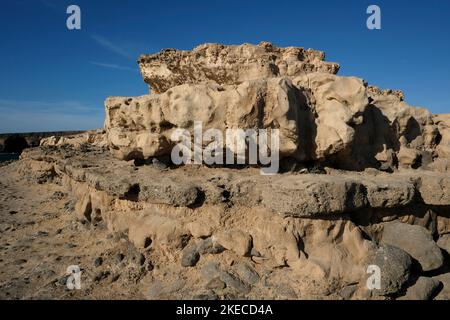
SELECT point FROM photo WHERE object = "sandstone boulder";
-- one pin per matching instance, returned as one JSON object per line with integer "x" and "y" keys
{"x": 142, "y": 127}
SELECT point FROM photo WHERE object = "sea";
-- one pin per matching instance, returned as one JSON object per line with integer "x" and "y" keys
{"x": 8, "y": 156}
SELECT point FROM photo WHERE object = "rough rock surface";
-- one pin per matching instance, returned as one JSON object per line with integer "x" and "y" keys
{"x": 395, "y": 265}
{"x": 415, "y": 240}
{"x": 423, "y": 289}
{"x": 229, "y": 64}
{"x": 322, "y": 117}
{"x": 364, "y": 180}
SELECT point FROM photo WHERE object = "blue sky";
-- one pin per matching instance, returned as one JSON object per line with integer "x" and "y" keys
{"x": 55, "y": 79}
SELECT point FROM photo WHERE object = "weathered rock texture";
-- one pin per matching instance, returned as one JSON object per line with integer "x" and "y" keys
{"x": 224, "y": 64}
{"x": 339, "y": 121}
{"x": 364, "y": 181}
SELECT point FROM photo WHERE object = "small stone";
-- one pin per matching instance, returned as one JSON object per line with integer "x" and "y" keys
{"x": 210, "y": 270}
{"x": 210, "y": 295}
{"x": 42, "y": 234}
{"x": 205, "y": 246}
{"x": 286, "y": 291}
{"x": 247, "y": 274}
{"x": 423, "y": 289}
{"x": 347, "y": 292}
{"x": 216, "y": 284}
{"x": 69, "y": 245}
{"x": 63, "y": 280}
{"x": 12, "y": 212}
{"x": 190, "y": 256}
{"x": 234, "y": 282}
{"x": 158, "y": 164}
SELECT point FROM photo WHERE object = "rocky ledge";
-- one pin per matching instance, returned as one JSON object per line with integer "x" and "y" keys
{"x": 364, "y": 182}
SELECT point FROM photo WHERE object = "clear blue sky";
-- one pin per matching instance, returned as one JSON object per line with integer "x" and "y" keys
{"x": 55, "y": 79}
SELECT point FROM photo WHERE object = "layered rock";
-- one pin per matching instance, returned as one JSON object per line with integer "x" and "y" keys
{"x": 364, "y": 180}
{"x": 223, "y": 64}
{"x": 339, "y": 121}
{"x": 313, "y": 224}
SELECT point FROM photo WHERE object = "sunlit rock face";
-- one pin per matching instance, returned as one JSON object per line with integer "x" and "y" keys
{"x": 338, "y": 121}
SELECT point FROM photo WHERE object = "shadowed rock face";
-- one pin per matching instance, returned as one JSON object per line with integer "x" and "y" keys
{"x": 15, "y": 144}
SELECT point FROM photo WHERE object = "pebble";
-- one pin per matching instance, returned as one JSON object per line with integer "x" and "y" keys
{"x": 247, "y": 274}
{"x": 190, "y": 256}
{"x": 216, "y": 284}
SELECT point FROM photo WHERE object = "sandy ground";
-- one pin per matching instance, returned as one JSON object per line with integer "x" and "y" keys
{"x": 40, "y": 239}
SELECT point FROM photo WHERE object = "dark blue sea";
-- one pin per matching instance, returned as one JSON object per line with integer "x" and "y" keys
{"x": 8, "y": 156}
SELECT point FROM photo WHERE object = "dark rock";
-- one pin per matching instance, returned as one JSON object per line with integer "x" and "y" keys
{"x": 210, "y": 270}
{"x": 115, "y": 277}
{"x": 416, "y": 241}
{"x": 234, "y": 282}
{"x": 141, "y": 259}
{"x": 247, "y": 274}
{"x": 157, "y": 164}
{"x": 395, "y": 266}
{"x": 207, "y": 296}
{"x": 347, "y": 292}
{"x": 205, "y": 246}
{"x": 190, "y": 256}
{"x": 423, "y": 289}
{"x": 286, "y": 291}
{"x": 98, "y": 261}
{"x": 216, "y": 284}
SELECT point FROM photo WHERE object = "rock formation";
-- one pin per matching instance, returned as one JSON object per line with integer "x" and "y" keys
{"x": 364, "y": 180}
